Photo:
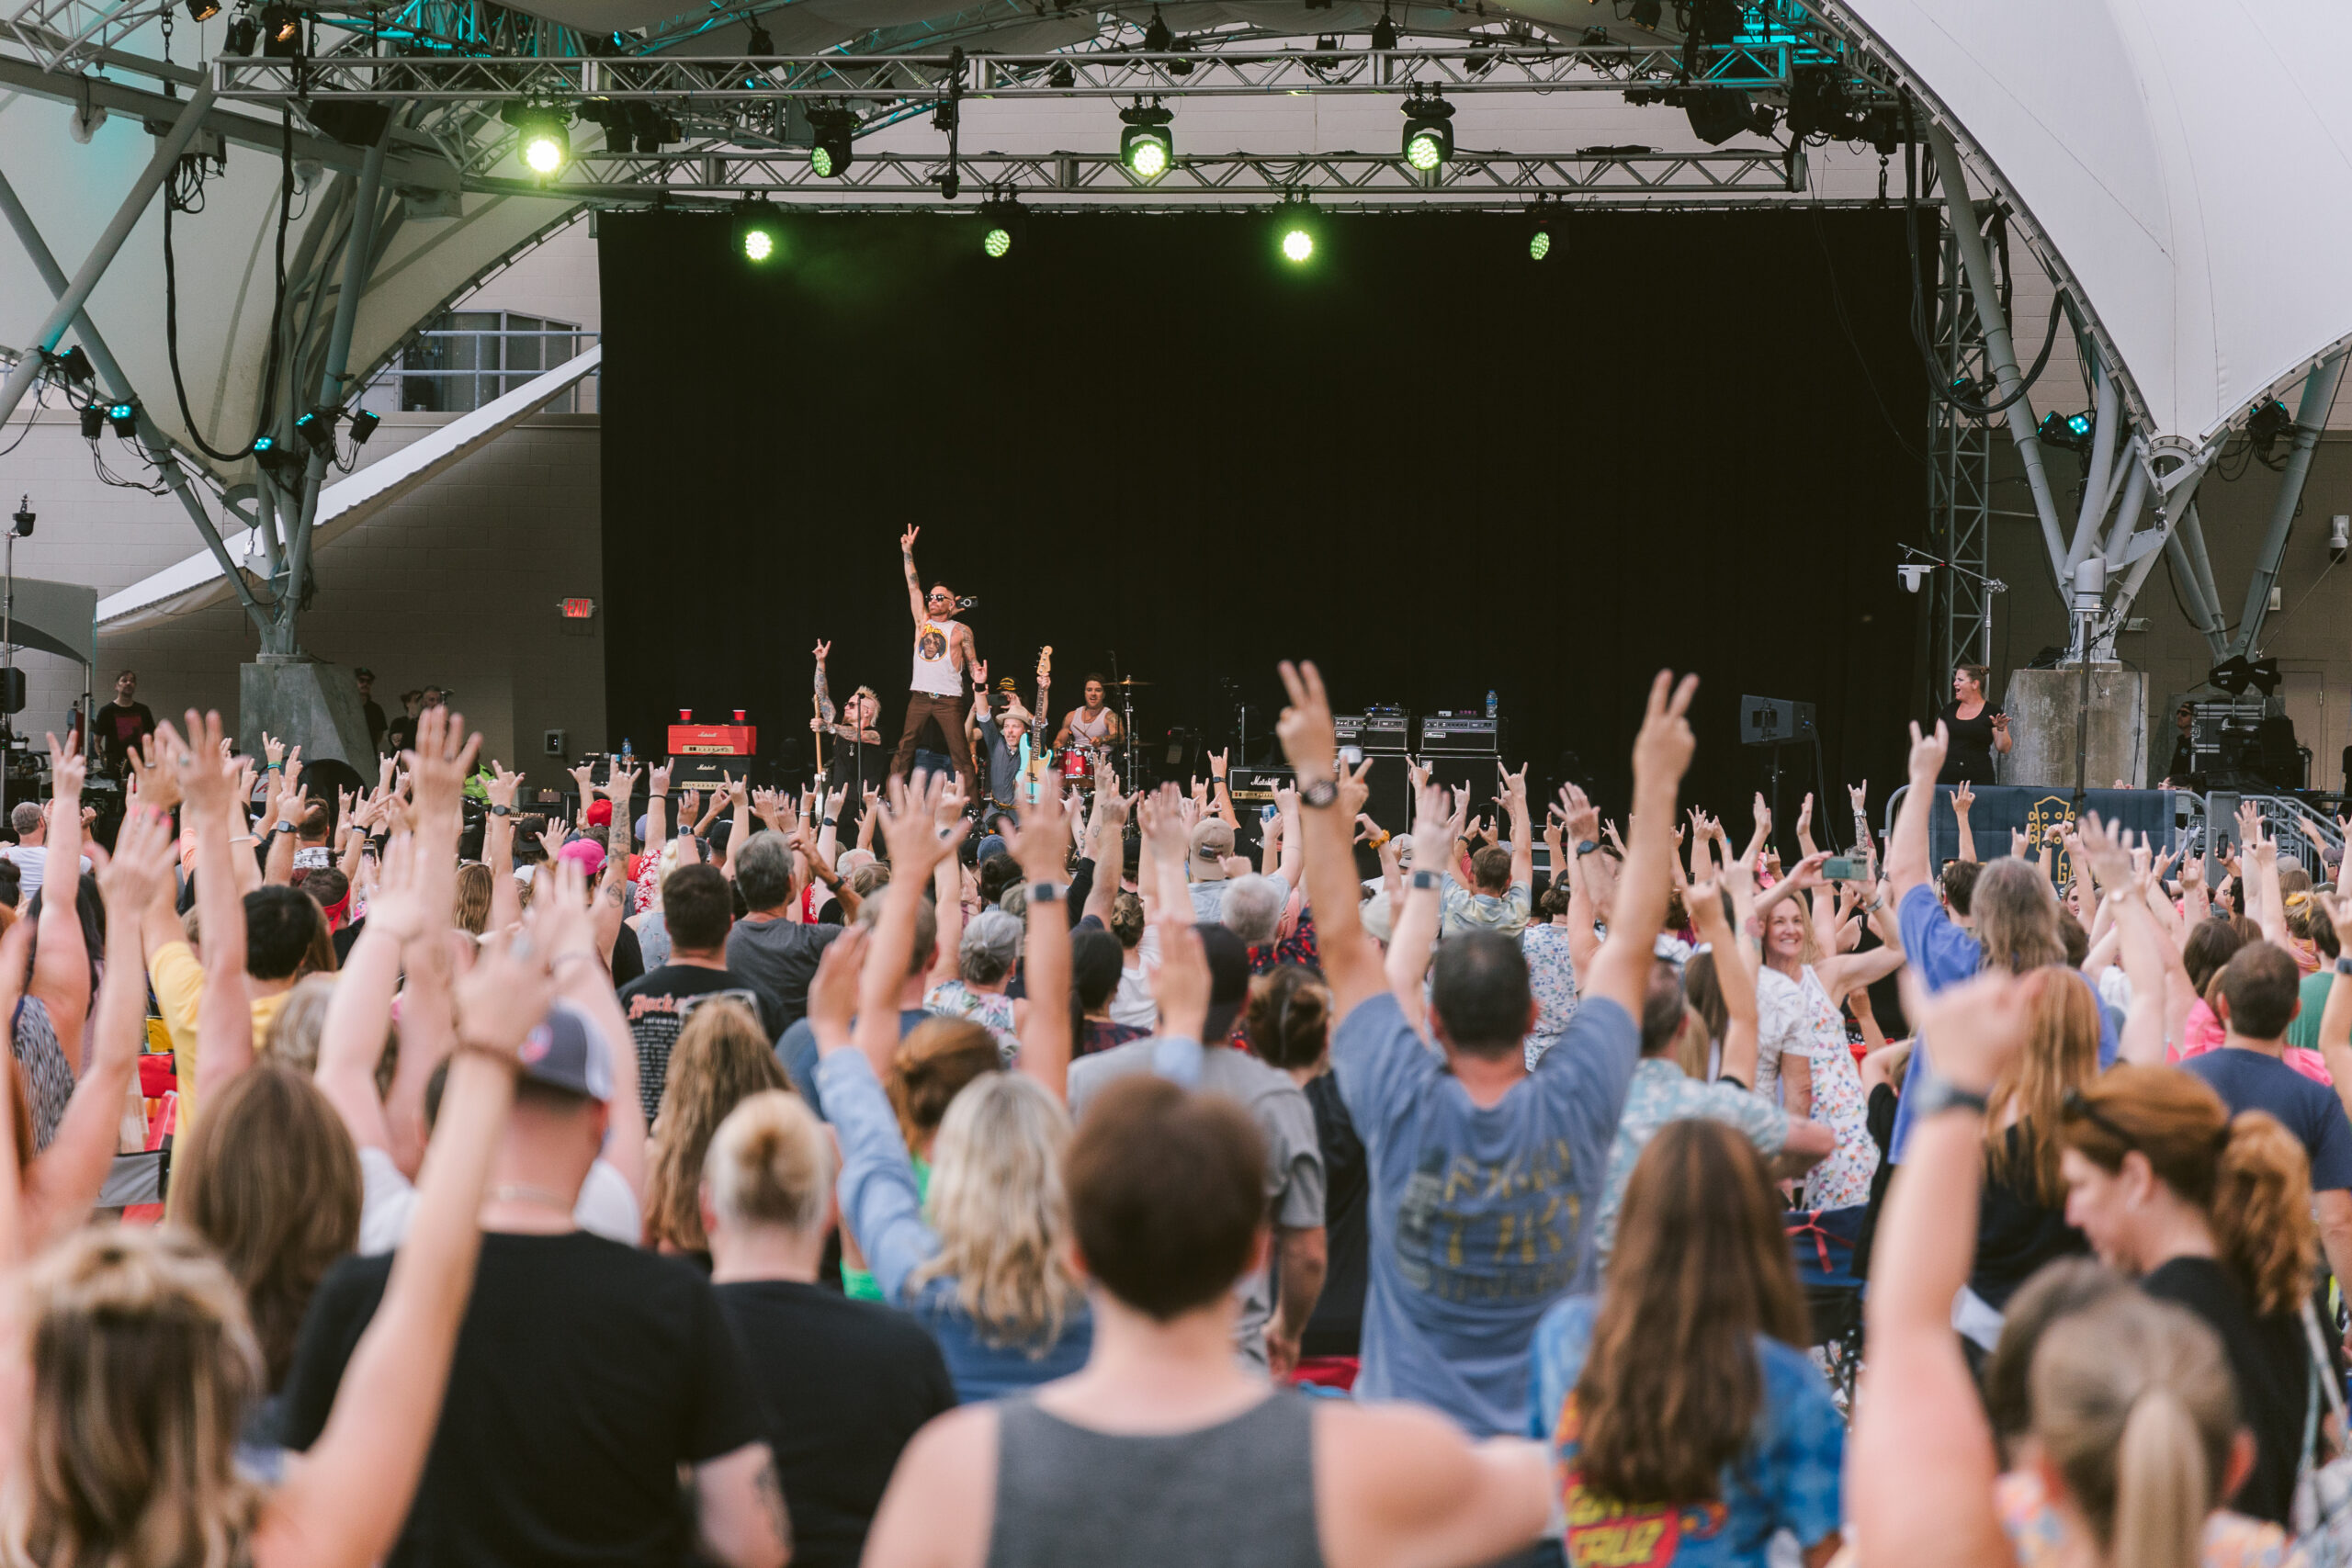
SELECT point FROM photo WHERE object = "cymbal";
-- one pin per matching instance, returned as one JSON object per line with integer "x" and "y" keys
{"x": 1130, "y": 681}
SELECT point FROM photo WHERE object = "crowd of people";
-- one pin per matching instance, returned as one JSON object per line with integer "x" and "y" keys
{"x": 912, "y": 1176}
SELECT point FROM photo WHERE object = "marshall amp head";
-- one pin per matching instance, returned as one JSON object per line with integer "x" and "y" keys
{"x": 1445, "y": 733}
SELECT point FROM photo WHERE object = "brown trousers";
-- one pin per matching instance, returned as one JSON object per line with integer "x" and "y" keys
{"x": 949, "y": 711}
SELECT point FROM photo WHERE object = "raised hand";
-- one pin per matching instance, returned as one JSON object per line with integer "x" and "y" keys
{"x": 1962, "y": 798}
{"x": 443, "y": 758}
{"x": 1579, "y": 816}
{"x": 822, "y": 650}
{"x": 1978, "y": 1027}
{"x": 1040, "y": 842}
{"x": 273, "y": 750}
{"x": 66, "y": 770}
{"x": 1218, "y": 762}
{"x": 1927, "y": 754}
{"x": 1434, "y": 826}
{"x": 397, "y": 907}
{"x": 1804, "y": 815}
{"x": 1305, "y": 727}
{"x": 154, "y": 781}
{"x": 907, "y": 540}
{"x": 2102, "y": 845}
{"x": 1860, "y": 795}
{"x": 1761, "y": 814}
{"x": 911, "y": 826}
{"x": 505, "y": 996}
{"x": 619, "y": 784}
{"x": 501, "y": 785}
{"x": 1354, "y": 793}
{"x": 206, "y": 781}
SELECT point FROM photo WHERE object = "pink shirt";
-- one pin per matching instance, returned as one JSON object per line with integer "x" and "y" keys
{"x": 2203, "y": 1032}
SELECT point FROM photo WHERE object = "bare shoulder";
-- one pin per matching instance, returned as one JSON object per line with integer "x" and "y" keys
{"x": 1401, "y": 1487}
{"x": 941, "y": 1503}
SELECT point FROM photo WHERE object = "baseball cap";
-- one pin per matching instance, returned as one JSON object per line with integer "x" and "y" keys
{"x": 363, "y": 673}
{"x": 1212, "y": 842}
{"x": 586, "y": 854}
{"x": 600, "y": 814}
{"x": 992, "y": 844}
{"x": 564, "y": 1051}
{"x": 1228, "y": 959}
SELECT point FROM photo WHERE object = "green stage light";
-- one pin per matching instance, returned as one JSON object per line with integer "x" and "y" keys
{"x": 1298, "y": 244}
{"x": 1000, "y": 226}
{"x": 543, "y": 137}
{"x": 758, "y": 244}
{"x": 1147, "y": 146}
{"x": 756, "y": 234}
{"x": 1429, "y": 132}
{"x": 831, "y": 130}
{"x": 1539, "y": 244}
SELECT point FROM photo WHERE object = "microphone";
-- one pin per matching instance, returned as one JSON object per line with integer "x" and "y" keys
{"x": 969, "y": 602}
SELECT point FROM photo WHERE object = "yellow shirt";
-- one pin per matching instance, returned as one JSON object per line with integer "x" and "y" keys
{"x": 178, "y": 980}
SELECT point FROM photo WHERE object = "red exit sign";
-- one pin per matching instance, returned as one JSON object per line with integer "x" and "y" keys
{"x": 579, "y": 609}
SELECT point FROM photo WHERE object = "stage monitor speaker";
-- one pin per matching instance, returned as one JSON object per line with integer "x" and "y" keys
{"x": 12, "y": 690}
{"x": 1253, "y": 790}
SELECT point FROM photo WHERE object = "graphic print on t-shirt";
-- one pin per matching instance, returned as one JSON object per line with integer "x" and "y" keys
{"x": 1601, "y": 1532}
{"x": 932, "y": 644}
{"x": 1468, "y": 1231}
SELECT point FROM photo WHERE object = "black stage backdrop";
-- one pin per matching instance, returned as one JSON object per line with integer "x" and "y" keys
{"x": 1433, "y": 464}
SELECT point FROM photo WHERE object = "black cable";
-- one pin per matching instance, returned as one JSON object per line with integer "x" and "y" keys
{"x": 1919, "y": 334}
{"x": 276, "y": 312}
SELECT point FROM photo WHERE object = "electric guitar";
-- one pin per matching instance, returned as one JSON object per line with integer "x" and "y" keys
{"x": 1040, "y": 754}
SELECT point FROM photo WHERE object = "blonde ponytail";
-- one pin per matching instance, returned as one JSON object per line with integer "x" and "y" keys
{"x": 2132, "y": 1401}
{"x": 2162, "y": 1486}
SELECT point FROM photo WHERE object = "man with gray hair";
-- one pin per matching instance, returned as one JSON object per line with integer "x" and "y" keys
{"x": 776, "y": 953}
{"x": 1253, "y": 908}
{"x": 984, "y": 960}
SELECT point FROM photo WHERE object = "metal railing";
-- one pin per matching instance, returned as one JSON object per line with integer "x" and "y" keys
{"x": 456, "y": 369}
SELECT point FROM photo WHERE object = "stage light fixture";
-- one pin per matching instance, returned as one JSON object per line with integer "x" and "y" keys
{"x": 1061, "y": 76}
{"x": 830, "y": 131}
{"x": 203, "y": 10}
{"x": 281, "y": 32}
{"x": 1157, "y": 37}
{"x": 76, "y": 366}
{"x": 1648, "y": 13}
{"x": 317, "y": 427}
{"x": 757, "y": 234}
{"x": 1384, "y": 31}
{"x": 241, "y": 35}
{"x": 2268, "y": 425}
{"x": 1429, "y": 132}
{"x": 124, "y": 417}
{"x": 1147, "y": 146}
{"x": 1538, "y": 230}
{"x": 1000, "y": 226}
{"x": 760, "y": 45}
{"x": 362, "y": 425}
{"x": 2079, "y": 426}
{"x": 2072, "y": 432}
{"x": 94, "y": 421}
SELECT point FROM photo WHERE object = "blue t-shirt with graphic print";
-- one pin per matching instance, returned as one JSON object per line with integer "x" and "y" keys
{"x": 1479, "y": 1219}
{"x": 1787, "y": 1479}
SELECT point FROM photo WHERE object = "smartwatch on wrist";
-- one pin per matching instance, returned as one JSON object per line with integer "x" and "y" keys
{"x": 1427, "y": 881}
{"x": 1048, "y": 892}
{"x": 501, "y": 811}
{"x": 1585, "y": 847}
{"x": 1939, "y": 1095}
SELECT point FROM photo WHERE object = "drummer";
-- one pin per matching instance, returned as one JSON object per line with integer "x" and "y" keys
{"x": 1092, "y": 730}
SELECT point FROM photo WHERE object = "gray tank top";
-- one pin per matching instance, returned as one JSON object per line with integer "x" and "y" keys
{"x": 1237, "y": 1494}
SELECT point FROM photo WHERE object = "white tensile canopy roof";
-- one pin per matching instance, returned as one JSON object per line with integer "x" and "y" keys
{"x": 2188, "y": 161}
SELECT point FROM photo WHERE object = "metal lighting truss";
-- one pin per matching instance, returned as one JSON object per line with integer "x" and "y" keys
{"x": 1599, "y": 176}
{"x": 1960, "y": 481}
{"x": 886, "y": 78}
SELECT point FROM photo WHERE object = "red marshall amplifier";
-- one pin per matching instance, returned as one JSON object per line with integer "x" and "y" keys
{"x": 713, "y": 739}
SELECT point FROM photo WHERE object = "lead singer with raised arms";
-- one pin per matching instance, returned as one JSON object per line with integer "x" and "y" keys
{"x": 944, "y": 653}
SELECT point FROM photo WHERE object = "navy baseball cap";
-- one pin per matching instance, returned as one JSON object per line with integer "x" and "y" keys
{"x": 565, "y": 1051}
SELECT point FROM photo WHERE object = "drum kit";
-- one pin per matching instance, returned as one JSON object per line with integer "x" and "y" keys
{"x": 1080, "y": 758}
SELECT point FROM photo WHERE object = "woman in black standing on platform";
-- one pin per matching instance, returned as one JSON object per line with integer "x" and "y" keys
{"x": 1977, "y": 730}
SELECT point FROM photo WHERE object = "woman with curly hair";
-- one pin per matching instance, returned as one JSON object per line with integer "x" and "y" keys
{"x": 721, "y": 1059}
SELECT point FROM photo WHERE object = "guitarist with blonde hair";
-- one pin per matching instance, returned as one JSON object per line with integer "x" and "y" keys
{"x": 1015, "y": 739}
